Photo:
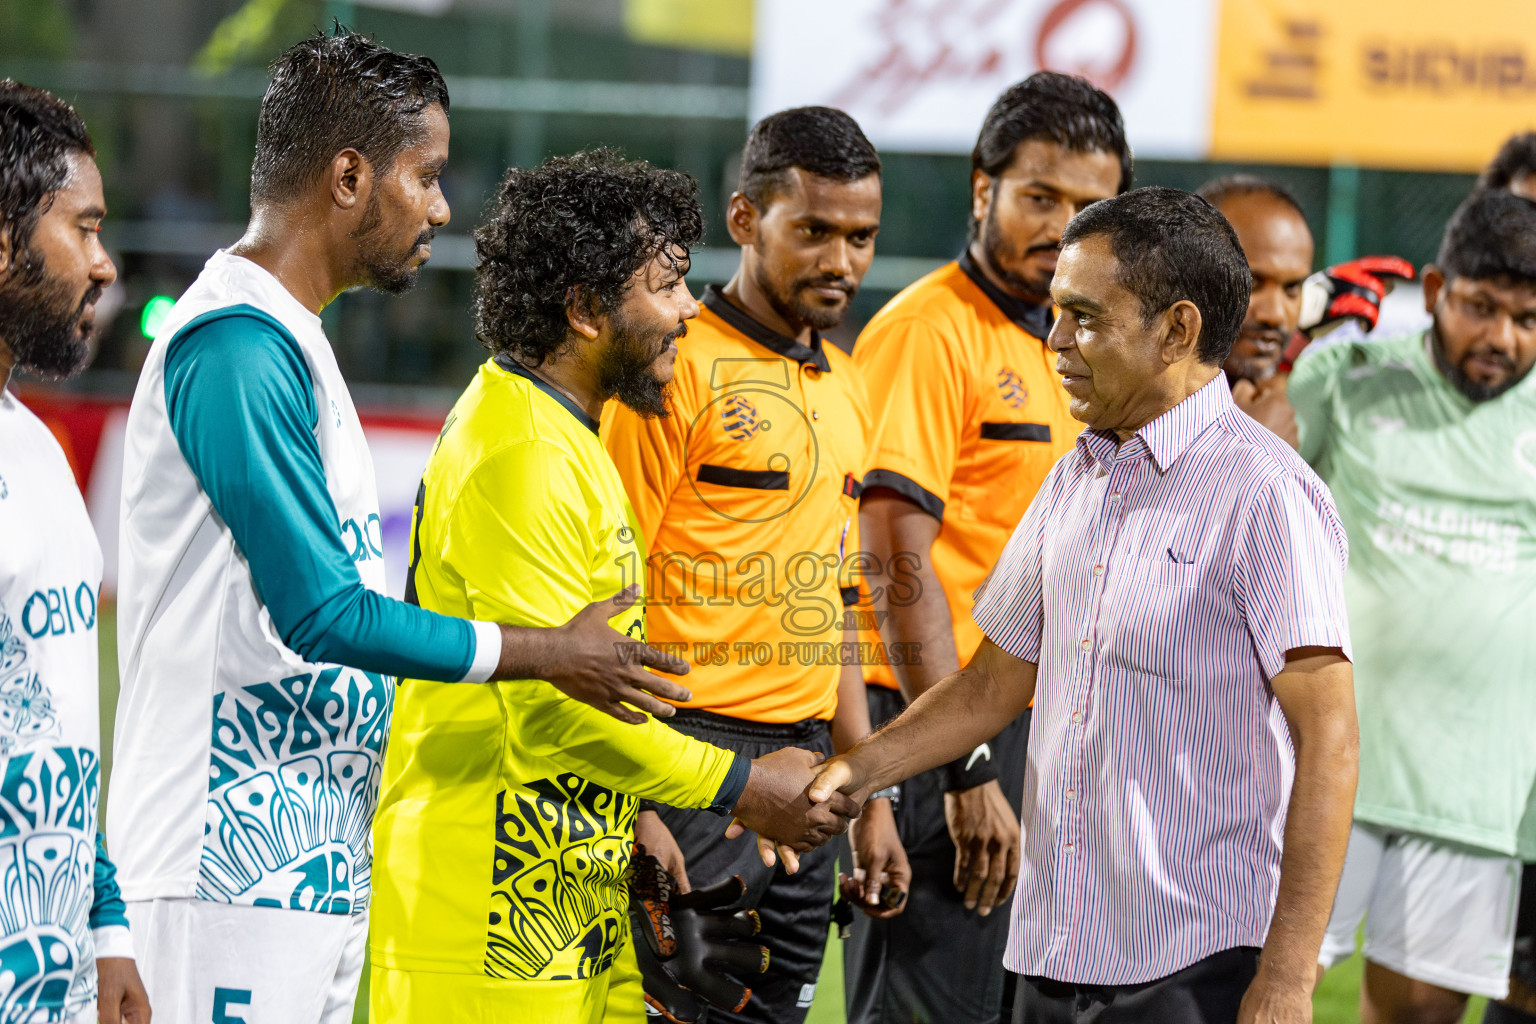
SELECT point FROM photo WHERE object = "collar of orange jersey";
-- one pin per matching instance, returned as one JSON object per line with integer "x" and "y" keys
{"x": 784, "y": 345}
{"x": 1037, "y": 320}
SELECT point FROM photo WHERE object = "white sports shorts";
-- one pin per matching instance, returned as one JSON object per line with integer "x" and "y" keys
{"x": 208, "y": 962}
{"x": 1434, "y": 911}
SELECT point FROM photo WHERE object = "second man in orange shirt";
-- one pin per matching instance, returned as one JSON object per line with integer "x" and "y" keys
{"x": 971, "y": 416}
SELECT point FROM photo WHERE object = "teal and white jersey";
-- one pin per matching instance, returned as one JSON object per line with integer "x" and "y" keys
{"x": 255, "y": 643}
{"x": 50, "y": 735}
{"x": 1438, "y": 495}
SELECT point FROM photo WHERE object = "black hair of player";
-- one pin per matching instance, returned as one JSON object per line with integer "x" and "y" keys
{"x": 589, "y": 221}
{"x": 1064, "y": 109}
{"x": 1516, "y": 157}
{"x": 38, "y": 133}
{"x": 1172, "y": 245}
{"x": 823, "y": 141}
{"x": 1491, "y": 237}
{"x": 1231, "y": 186}
{"x": 335, "y": 92}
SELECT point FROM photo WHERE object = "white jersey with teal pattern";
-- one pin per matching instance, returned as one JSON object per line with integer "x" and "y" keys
{"x": 50, "y": 734}
{"x": 255, "y": 642}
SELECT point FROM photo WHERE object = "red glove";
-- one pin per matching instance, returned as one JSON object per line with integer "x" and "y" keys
{"x": 1352, "y": 290}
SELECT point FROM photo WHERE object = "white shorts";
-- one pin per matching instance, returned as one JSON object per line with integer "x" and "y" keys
{"x": 204, "y": 961}
{"x": 1434, "y": 911}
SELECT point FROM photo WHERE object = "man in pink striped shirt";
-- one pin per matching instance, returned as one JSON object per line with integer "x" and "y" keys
{"x": 1173, "y": 602}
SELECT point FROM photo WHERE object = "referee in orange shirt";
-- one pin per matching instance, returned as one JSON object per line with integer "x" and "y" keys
{"x": 970, "y": 418}
{"x": 747, "y": 499}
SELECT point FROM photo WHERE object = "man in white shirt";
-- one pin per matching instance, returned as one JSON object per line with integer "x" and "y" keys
{"x": 64, "y": 943}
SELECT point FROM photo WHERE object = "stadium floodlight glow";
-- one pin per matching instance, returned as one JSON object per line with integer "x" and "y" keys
{"x": 155, "y": 312}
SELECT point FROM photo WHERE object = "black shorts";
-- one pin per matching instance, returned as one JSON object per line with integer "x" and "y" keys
{"x": 1208, "y": 991}
{"x": 935, "y": 961}
{"x": 796, "y": 909}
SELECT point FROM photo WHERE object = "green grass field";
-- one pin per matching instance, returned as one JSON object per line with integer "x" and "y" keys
{"x": 1336, "y": 1001}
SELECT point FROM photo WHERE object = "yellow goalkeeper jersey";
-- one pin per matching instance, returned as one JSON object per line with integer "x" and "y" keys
{"x": 507, "y": 811}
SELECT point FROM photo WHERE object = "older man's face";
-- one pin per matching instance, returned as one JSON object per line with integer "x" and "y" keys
{"x": 1111, "y": 366}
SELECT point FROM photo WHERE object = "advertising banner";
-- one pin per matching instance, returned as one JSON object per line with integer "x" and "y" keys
{"x": 920, "y": 74}
{"x": 1412, "y": 84}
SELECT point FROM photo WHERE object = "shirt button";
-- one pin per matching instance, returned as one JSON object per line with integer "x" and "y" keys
{"x": 1086, "y": 645}
{"x": 815, "y": 415}
{"x": 1067, "y": 848}
{"x": 1071, "y": 794}
{"x": 1115, "y": 496}
{"x": 1077, "y": 717}
{"x": 1098, "y": 570}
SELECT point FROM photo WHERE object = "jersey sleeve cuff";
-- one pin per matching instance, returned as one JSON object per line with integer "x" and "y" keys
{"x": 734, "y": 785}
{"x": 487, "y": 652}
{"x": 113, "y": 940}
{"x": 908, "y": 488}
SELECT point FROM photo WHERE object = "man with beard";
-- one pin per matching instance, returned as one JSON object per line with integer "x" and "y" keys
{"x": 747, "y": 495}
{"x": 1427, "y": 443}
{"x": 64, "y": 902}
{"x": 1289, "y": 307}
{"x": 970, "y": 418}
{"x": 515, "y": 801}
{"x": 1278, "y": 244}
{"x": 255, "y": 639}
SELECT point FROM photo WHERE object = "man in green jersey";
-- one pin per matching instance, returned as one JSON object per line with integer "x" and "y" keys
{"x": 1429, "y": 445}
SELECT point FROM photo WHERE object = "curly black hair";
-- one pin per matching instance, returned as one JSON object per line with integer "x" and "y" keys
{"x": 332, "y": 92}
{"x": 38, "y": 132}
{"x": 574, "y": 229}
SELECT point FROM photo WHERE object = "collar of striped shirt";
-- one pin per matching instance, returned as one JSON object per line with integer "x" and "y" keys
{"x": 1158, "y": 586}
{"x": 1169, "y": 435}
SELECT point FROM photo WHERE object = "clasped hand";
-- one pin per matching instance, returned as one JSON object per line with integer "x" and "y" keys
{"x": 777, "y": 807}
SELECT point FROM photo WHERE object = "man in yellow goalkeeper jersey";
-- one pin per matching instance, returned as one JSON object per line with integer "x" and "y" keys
{"x": 507, "y": 812}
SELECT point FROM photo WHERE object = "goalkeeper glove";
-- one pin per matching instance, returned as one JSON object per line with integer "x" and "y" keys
{"x": 1349, "y": 290}
{"x": 685, "y": 942}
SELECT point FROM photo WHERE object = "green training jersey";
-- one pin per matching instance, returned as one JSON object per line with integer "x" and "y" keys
{"x": 1438, "y": 494}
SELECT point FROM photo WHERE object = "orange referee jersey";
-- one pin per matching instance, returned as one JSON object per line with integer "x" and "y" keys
{"x": 747, "y": 497}
{"x": 970, "y": 418}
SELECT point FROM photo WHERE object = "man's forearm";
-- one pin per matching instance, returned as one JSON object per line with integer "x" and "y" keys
{"x": 850, "y": 723}
{"x": 922, "y": 625}
{"x": 964, "y": 709}
{"x": 1316, "y": 835}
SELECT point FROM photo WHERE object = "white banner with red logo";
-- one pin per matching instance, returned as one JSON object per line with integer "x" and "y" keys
{"x": 920, "y": 74}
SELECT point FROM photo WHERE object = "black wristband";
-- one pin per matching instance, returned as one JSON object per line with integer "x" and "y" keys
{"x": 648, "y": 805}
{"x": 974, "y": 769}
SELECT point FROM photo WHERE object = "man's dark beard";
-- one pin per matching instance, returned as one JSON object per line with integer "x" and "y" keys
{"x": 802, "y": 314}
{"x": 380, "y": 269}
{"x": 1467, "y": 386}
{"x": 625, "y": 372}
{"x": 40, "y": 323}
{"x": 1000, "y": 254}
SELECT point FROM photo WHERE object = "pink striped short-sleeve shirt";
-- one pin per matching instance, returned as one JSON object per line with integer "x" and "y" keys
{"x": 1158, "y": 584}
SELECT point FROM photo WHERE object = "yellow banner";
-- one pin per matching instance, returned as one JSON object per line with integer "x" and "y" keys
{"x": 717, "y": 26}
{"x": 1422, "y": 84}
